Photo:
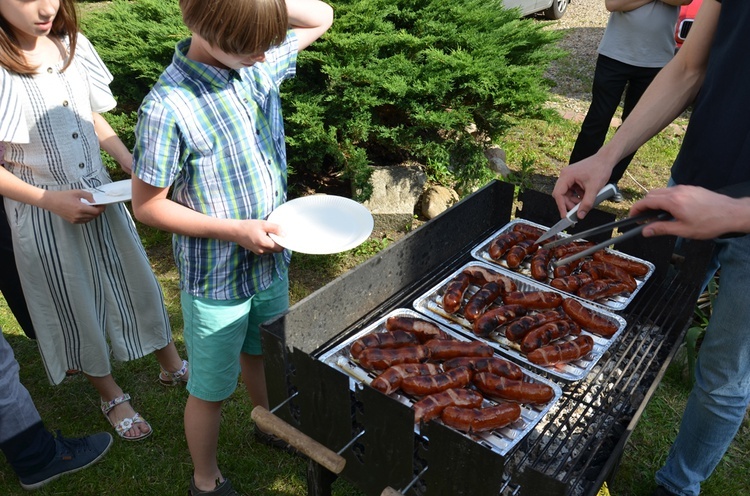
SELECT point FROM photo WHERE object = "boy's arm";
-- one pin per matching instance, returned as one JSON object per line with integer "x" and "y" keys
{"x": 152, "y": 207}
{"x": 111, "y": 143}
{"x": 309, "y": 19}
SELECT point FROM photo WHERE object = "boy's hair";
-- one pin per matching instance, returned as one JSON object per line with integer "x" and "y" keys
{"x": 238, "y": 27}
{"x": 65, "y": 23}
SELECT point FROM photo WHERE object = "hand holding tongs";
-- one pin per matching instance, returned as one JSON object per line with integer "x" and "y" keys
{"x": 571, "y": 217}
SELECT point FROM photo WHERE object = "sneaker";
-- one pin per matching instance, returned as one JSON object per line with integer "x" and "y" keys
{"x": 617, "y": 197}
{"x": 222, "y": 489}
{"x": 662, "y": 491}
{"x": 71, "y": 455}
{"x": 273, "y": 441}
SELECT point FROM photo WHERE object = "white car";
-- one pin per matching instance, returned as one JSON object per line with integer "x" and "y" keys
{"x": 552, "y": 9}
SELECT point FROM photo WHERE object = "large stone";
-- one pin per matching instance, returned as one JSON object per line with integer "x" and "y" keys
{"x": 436, "y": 200}
{"x": 497, "y": 161}
{"x": 395, "y": 194}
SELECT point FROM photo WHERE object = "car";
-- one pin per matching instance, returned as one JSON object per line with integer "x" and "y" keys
{"x": 551, "y": 9}
{"x": 685, "y": 21}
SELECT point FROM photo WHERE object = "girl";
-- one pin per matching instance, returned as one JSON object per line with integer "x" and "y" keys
{"x": 84, "y": 273}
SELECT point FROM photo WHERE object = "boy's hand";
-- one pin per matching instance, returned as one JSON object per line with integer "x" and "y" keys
{"x": 254, "y": 236}
{"x": 68, "y": 205}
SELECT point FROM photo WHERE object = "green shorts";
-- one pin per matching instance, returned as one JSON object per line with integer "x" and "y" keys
{"x": 216, "y": 331}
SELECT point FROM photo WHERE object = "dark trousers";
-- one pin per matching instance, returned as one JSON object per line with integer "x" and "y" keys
{"x": 611, "y": 80}
{"x": 10, "y": 285}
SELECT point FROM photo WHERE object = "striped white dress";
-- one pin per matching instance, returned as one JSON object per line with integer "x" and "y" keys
{"x": 90, "y": 288}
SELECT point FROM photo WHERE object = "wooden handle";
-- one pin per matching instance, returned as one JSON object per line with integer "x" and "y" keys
{"x": 271, "y": 424}
{"x": 389, "y": 491}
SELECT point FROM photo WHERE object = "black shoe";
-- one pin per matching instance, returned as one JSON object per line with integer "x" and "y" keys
{"x": 273, "y": 441}
{"x": 71, "y": 455}
{"x": 222, "y": 489}
{"x": 662, "y": 491}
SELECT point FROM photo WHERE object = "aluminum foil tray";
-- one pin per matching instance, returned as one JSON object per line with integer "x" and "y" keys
{"x": 614, "y": 303}
{"x": 430, "y": 304}
{"x": 499, "y": 440}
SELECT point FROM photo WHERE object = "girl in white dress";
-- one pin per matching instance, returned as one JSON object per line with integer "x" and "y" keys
{"x": 84, "y": 272}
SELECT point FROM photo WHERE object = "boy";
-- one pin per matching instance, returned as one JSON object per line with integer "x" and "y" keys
{"x": 212, "y": 129}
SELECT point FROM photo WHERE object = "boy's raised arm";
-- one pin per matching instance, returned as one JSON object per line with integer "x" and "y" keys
{"x": 309, "y": 19}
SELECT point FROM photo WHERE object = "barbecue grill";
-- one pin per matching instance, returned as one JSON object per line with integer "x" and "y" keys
{"x": 571, "y": 451}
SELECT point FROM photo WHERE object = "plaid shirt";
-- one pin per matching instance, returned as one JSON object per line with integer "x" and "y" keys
{"x": 217, "y": 137}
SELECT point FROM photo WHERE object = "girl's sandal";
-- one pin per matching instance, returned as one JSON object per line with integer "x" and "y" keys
{"x": 124, "y": 425}
{"x": 178, "y": 378}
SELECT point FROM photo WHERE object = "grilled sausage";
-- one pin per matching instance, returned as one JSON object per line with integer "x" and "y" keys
{"x": 567, "y": 269}
{"x": 423, "y": 329}
{"x": 501, "y": 244}
{"x": 433, "y": 405}
{"x": 563, "y": 251}
{"x": 537, "y": 300}
{"x": 605, "y": 270}
{"x": 481, "y": 276}
{"x": 602, "y": 288}
{"x": 531, "y": 232}
{"x": 540, "y": 264}
{"x": 423, "y": 385}
{"x": 562, "y": 352}
{"x": 588, "y": 319}
{"x": 572, "y": 283}
{"x": 495, "y": 386}
{"x": 481, "y": 419}
{"x": 632, "y": 267}
{"x": 480, "y": 300}
{"x": 382, "y": 358}
{"x": 517, "y": 330}
{"x": 388, "y": 339}
{"x": 389, "y": 381}
{"x": 454, "y": 293}
{"x": 519, "y": 252}
{"x": 496, "y": 317}
{"x": 496, "y": 365}
{"x": 545, "y": 334}
{"x": 445, "y": 349}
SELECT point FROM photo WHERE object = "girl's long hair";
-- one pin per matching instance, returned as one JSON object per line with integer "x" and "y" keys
{"x": 65, "y": 24}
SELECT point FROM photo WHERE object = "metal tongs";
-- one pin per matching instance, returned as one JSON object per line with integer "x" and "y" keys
{"x": 571, "y": 218}
{"x": 642, "y": 220}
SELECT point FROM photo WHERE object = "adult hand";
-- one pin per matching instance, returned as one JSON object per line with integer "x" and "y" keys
{"x": 698, "y": 213}
{"x": 68, "y": 205}
{"x": 579, "y": 183}
{"x": 254, "y": 236}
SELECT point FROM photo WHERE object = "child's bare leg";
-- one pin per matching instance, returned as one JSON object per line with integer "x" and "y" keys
{"x": 202, "y": 419}
{"x": 168, "y": 358}
{"x": 109, "y": 390}
{"x": 254, "y": 377}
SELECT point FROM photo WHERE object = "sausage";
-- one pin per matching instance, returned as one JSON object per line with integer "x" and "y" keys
{"x": 481, "y": 419}
{"x": 540, "y": 264}
{"x": 572, "y": 283}
{"x": 481, "y": 276}
{"x": 530, "y": 232}
{"x": 495, "y": 386}
{"x": 382, "y": 358}
{"x": 433, "y": 405}
{"x": 632, "y": 267}
{"x": 588, "y": 319}
{"x": 517, "y": 330}
{"x": 547, "y": 333}
{"x": 602, "y": 288}
{"x": 606, "y": 270}
{"x": 537, "y": 300}
{"x": 480, "y": 300}
{"x": 562, "y": 352}
{"x": 454, "y": 293}
{"x": 567, "y": 269}
{"x": 496, "y": 317}
{"x": 423, "y": 329}
{"x": 388, "y": 339}
{"x": 501, "y": 244}
{"x": 496, "y": 365}
{"x": 423, "y": 385}
{"x": 519, "y": 252}
{"x": 444, "y": 349}
{"x": 389, "y": 381}
{"x": 563, "y": 251}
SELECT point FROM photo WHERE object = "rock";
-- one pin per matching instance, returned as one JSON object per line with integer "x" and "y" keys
{"x": 436, "y": 200}
{"x": 395, "y": 195}
{"x": 496, "y": 158}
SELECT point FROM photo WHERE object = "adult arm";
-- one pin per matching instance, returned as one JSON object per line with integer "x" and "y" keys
{"x": 673, "y": 89}
{"x": 628, "y": 5}
{"x": 309, "y": 19}
{"x": 152, "y": 207}
{"x": 698, "y": 213}
{"x": 111, "y": 143}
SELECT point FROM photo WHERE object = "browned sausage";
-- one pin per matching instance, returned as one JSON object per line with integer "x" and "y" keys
{"x": 537, "y": 300}
{"x": 545, "y": 334}
{"x": 423, "y": 329}
{"x": 516, "y": 330}
{"x": 588, "y": 319}
{"x": 501, "y": 244}
{"x": 572, "y": 283}
{"x": 433, "y": 405}
{"x": 445, "y": 349}
{"x": 388, "y": 339}
{"x": 567, "y": 269}
{"x": 605, "y": 270}
{"x": 453, "y": 296}
{"x": 423, "y": 385}
{"x": 496, "y": 317}
{"x": 481, "y": 419}
{"x": 495, "y": 386}
{"x": 540, "y": 264}
{"x": 519, "y": 252}
{"x": 382, "y": 358}
{"x": 563, "y": 251}
{"x": 603, "y": 288}
{"x": 480, "y": 300}
{"x": 481, "y": 276}
{"x": 496, "y": 365}
{"x": 389, "y": 381}
{"x": 530, "y": 232}
{"x": 562, "y": 352}
{"x": 632, "y": 267}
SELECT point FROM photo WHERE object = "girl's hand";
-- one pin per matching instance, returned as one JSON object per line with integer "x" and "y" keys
{"x": 68, "y": 205}
{"x": 254, "y": 236}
